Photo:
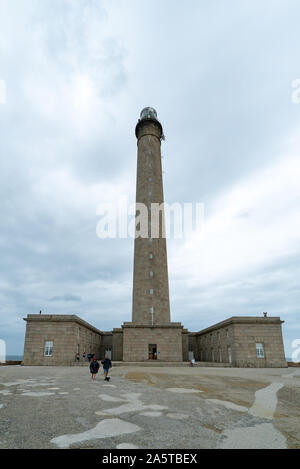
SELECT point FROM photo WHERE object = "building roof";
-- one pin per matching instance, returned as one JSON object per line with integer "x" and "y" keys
{"x": 241, "y": 320}
{"x": 61, "y": 318}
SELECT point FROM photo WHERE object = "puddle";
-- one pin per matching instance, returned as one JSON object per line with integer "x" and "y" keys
{"x": 132, "y": 403}
{"x": 20, "y": 382}
{"x": 127, "y": 446}
{"x": 37, "y": 394}
{"x": 261, "y": 436}
{"x": 105, "y": 429}
{"x": 151, "y": 414}
{"x": 228, "y": 405}
{"x": 183, "y": 390}
{"x": 178, "y": 416}
{"x": 266, "y": 401}
{"x": 108, "y": 398}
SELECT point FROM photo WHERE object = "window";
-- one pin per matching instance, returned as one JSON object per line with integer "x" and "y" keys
{"x": 152, "y": 315}
{"x": 260, "y": 350}
{"x": 229, "y": 354}
{"x": 151, "y": 256}
{"x": 48, "y": 352}
{"x": 227, "y": 333}
{"x": 151, "y": 274}
{"x": 151, "y": 291}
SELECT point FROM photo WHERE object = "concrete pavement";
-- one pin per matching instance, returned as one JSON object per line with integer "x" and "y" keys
{"x": 149, "y": 407}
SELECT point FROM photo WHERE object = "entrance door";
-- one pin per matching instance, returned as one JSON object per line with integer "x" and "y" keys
{"x": 107, "y": 352}
{"x": 152, "y": 352}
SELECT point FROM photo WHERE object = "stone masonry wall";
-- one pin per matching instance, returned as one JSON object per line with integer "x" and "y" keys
{"x": 240, "y": 335}
{"x": 68, "y": 337}
{"x": 150, "y": 277}
{"x": 117, "y": 345}
{"x": 245, "y": 339}
{"x": 136, "y": 342}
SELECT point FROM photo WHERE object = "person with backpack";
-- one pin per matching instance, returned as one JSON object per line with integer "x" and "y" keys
{"x": 94, "y": 367}
{"x": 106, "y": 366}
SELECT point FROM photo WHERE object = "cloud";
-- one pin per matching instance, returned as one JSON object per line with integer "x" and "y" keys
{"x": 229, "y": 243}
{"x": 2, "y": 92}
{"x": 66, "y": 297}
{"x": 238, "y": 265}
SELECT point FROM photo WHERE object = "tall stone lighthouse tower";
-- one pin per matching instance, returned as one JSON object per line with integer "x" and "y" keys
{"x": 151, "y": 335}
{"x": 150, "y": 279}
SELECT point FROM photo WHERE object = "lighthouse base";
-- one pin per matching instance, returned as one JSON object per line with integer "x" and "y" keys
{"x": 142, "y": 343}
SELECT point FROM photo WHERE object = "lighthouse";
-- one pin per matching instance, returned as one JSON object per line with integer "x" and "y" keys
{"x": 151, "y": 335}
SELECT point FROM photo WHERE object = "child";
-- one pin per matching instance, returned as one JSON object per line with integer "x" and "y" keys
{"x": 106, "y": 366}
{"x": 94, "y": 367}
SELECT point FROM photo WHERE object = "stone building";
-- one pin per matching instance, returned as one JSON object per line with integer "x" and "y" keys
{"x": 56, "y": 340}
{"x": 238, "y": 341}
{"x": 241, "y": 342}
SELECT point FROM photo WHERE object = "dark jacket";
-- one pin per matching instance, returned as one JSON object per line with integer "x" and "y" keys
{"x": 94, "y": 367}
{"x": 106, "y": 363}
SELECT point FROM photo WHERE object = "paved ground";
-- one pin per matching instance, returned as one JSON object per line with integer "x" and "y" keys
{"x": 145, "y": 407}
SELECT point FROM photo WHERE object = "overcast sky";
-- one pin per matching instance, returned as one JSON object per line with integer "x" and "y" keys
{"x": 74, "y": 76}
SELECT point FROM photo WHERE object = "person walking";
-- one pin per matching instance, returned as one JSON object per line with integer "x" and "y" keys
{"x": 106, "y": 366}
{"x": 94, "y": 367}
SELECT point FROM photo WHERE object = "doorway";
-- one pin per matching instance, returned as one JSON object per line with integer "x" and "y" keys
{"x": 152, "y": 352}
